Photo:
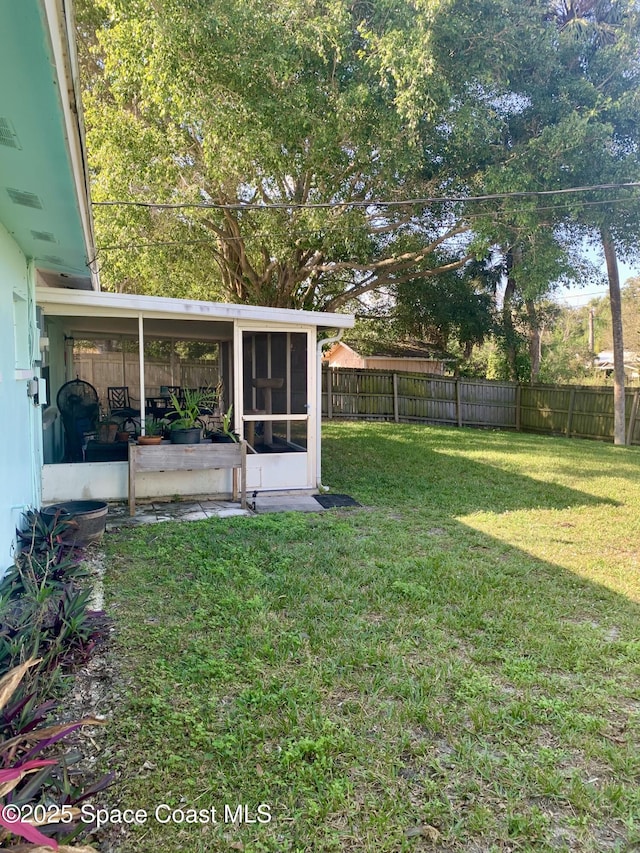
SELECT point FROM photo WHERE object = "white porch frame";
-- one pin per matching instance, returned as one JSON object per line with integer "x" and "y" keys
{"x": 127, "y": 314}
{"x": 312, "y": 417}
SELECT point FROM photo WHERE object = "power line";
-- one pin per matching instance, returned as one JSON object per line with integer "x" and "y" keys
{"x": 413, "y": 202}
{"x": 602, "y": 292}
{"x": 151, "y": 245}
{"x": 229, "y": 239}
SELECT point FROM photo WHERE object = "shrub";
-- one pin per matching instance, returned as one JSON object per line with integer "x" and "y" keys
{"x": 25, "y": 775}
{"x": 43, "y": 611}
{"x": 45, "y": 627}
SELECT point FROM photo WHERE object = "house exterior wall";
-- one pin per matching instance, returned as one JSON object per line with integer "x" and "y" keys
{"x": 341, "y": 356}
{"x": 20, "y": 452}
{"x": 411, "y": 365}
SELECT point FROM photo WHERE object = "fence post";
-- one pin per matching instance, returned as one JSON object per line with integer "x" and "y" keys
{"x": 329, "y": 393}
{"x": 633, "y": 416}
{"x": 572, "y": 401}
{"x": 458, "y": 402}
{"x": 518, "y": 407}
{"x": 396, "y": 412}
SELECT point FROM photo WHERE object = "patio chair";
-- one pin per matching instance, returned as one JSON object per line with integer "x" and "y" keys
{"x": 120, "y": 406}
{"x": 167, "y": 390}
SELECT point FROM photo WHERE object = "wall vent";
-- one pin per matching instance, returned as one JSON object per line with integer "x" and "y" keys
{"x": 24, "y": 198}
{"x": 44, "y": 236}
{"x": 8, "y": 136}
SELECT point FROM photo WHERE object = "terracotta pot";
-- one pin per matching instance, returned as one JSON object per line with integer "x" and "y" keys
{"x": 149, "y": 439}
{"x": 107, "y": 433}
{"x": 122, "y": 436}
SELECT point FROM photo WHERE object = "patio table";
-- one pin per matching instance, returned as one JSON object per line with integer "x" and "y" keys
{"x": 158, "y": 406}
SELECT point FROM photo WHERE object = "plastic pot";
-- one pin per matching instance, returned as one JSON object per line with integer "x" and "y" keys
{"x": 186, "y": 436}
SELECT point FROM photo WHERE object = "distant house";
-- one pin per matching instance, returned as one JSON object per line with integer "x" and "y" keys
{"x": 411, "y": 357}
{"x": 604, "y": 362}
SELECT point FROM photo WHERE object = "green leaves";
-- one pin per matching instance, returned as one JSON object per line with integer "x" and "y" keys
{"x": 264, "y": 103}
{"x": 299, "y": 103}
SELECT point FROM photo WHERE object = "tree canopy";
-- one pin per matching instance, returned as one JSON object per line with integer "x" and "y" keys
{"x": 271, "y": 133}
{"x": 292, "y": 120}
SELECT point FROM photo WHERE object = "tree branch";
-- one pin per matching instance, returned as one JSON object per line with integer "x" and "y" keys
{"x": 377, "y": 281}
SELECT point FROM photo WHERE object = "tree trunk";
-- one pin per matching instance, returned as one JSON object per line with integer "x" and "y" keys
{"x": 507, "y": 319}
{"x": 618, "y": 345}
{"x": 535, "y": 340}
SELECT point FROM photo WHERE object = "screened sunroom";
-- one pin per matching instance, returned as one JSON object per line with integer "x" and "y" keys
{"x": 264, "y": 363}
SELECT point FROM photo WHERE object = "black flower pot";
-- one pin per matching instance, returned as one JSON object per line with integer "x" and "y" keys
{"x": 223, "y": 438}
{"x": 186, "y": 436}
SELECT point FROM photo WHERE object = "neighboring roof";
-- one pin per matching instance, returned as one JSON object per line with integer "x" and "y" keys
{"x": 604, "y": 361}
{"x": 606, "y": 357}
{"x": 74, "y": 303}
{"x": 400, "y": 349}
{"x": 44, "y": 196}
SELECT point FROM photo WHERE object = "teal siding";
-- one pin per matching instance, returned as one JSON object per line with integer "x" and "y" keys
{"x": 20, "y": 455}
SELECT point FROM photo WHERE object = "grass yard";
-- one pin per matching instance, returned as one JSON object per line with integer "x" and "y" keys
{"x": 453, "y": 667}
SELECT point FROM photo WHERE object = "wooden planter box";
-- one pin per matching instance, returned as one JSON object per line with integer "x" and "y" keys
{"x": 188, "y": 457}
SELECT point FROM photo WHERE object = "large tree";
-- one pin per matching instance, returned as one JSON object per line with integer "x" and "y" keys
{"x": 457, "y": 306}
{"x": 576, "y": 127}
{"x": 587, "y": 134}
{"x": 269, "y": 111}
{"x": 292, "y": 120}
{"x": 280, "y": 105}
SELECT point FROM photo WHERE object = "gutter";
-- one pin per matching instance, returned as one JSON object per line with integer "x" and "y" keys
{"x": 321, "y": 343}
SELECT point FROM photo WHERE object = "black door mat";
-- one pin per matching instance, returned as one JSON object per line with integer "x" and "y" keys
{"x": 330, "y": 501}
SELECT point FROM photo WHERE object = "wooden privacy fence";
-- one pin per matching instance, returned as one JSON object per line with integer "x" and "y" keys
{"x": 571, "y": 410}
{"x": 111, "y": 368}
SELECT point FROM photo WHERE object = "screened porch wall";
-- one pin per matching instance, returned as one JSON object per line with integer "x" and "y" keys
{"x": 276, "y": 354}
{"x": 110, "y": 369}
{"x": 283, "y": 358}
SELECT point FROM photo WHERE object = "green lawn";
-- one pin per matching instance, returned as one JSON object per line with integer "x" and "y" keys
{"x": 453, "y": 667}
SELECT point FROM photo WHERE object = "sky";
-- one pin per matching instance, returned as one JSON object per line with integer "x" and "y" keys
{"x": 574, "y": 297}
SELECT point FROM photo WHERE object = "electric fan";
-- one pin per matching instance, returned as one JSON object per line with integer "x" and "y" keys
{"x": 77, "y": 402}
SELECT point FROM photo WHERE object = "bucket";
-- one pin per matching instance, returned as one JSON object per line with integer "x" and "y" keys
{"x": 90, "y": 519}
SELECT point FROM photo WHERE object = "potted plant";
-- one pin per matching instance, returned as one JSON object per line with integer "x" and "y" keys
{"x": 226, "y": 433}
{"x": 107, "y": 429}
{"x": 187, "y": 428}
{"x": 153, "y": 430}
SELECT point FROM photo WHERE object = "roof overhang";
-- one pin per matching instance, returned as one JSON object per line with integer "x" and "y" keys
{"x": 118, "y": 313}
{"x": 44, "y": 194}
